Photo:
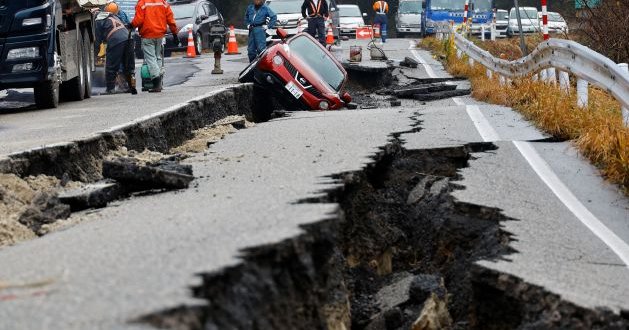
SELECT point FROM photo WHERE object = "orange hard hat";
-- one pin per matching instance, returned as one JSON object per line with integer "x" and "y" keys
{"x": 112, "y": 7}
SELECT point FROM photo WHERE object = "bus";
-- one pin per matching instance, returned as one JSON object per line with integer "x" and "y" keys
{"x": 443, "y": 11}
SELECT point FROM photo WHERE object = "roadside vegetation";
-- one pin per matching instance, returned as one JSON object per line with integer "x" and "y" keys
{"x": 597, "y": 131}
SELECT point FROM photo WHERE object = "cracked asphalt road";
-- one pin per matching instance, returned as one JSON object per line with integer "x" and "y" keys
{"x": 23, "y": 127}
{"x": 140, "y": 255}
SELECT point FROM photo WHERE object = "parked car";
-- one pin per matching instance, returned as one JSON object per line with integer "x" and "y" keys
{"x": 556, "y": 23}
{"x": 289, "y": 17}
{"x": 198, "y": 16}
{"x": 529, "y": 18}
{"x": 350, "y": 19}
{"x": 502, "y": 22}
{"x": 408, "y": 17}
{"x": 300, "y": 72}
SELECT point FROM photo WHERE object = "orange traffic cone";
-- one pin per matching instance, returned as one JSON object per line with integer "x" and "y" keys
{"x": 192, "y": 52}
{"x": 329, "y": 38}
{"x": 232, "y": 45}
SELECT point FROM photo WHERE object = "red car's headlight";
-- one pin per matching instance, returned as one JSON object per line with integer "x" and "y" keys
{"x": 278, "y": 60}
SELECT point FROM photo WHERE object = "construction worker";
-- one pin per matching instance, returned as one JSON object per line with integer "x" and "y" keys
{"x": 151, "y": 18}
{"x": 316, "y": 11}
{"x": 111, "y": 30}
{"x": 255, "y": 17}
{"x": 381, "y": 8}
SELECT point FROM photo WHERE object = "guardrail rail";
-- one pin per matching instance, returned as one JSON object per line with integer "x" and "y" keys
{"x": 567, "y": 57}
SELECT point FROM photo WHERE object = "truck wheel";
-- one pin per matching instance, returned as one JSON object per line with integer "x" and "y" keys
{"x": 88, "y": 59}
{"x": 47, "y": 95}
{"x": 74, "y": 89}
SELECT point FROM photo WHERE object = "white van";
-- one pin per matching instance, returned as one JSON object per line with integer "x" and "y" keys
{"x": 530, "y": 21}
{"x": 408, "y": 17}
{"x": 288, "y": 15}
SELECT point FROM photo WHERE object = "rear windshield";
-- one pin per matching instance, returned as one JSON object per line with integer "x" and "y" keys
{"x": 183, "y": 11}
{"x": 285, "y": 7}
{"x": 410, "y": 7}
{"x": 350, "y": 11}
{"x": 318, "y": 59}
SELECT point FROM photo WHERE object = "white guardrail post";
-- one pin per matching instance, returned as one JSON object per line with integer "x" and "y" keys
{"x": 564, "y": 81}
{"x": 582, "y": 93}
{"x": 625, "y": 110}
{"x": 569, "y": 57}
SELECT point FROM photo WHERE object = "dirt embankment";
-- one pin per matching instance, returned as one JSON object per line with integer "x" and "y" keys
{"x": 28, "y": 205}
{"x": 31, "y": 206}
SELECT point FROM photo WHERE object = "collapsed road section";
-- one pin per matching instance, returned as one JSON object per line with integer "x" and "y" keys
{"x": 400, "y": 253}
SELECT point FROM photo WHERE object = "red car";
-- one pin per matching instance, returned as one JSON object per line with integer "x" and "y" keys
{"x": 301, "y": 73}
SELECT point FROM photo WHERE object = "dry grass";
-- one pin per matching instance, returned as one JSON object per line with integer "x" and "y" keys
{"x": 597, "y": 131}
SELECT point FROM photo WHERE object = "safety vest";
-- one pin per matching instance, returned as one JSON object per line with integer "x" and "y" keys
{"x": 117, "y": 26}
{"x": 315, "y": 10}
{"x": 381, "y": 7}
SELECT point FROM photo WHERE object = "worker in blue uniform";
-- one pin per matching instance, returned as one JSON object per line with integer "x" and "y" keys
{"x": 255, "y": 18}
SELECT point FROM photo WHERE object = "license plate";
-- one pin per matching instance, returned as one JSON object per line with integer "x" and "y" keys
{"x": 293, "y": 89}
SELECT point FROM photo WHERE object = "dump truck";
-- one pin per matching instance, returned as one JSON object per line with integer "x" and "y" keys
{"x": 48, "y": 45}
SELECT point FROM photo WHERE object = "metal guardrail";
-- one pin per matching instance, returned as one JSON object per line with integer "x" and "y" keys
{"x": 564, "y": 55}
{"x": 242, "y": 32}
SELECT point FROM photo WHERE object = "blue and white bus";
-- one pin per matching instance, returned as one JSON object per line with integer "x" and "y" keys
{"x": 439, "y": 11}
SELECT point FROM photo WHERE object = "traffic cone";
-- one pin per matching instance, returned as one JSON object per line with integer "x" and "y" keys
{"x": 329, "y": 38}
{"x": 192, "y": 52}
{"x": 232, "y": 45}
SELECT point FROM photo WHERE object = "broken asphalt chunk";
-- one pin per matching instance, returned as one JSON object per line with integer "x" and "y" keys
{"x": 91, "y": 196}
{"x": 138, "y": 177}
{"x": 409, "y": 63}
{"x": 442, "y": 95}
{"x": 423, "y": 89}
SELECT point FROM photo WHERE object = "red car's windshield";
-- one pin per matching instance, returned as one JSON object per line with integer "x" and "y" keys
{"x": 318, "y": 59}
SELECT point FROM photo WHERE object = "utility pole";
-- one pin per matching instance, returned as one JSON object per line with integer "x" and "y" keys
{"x": 525, "y": 51}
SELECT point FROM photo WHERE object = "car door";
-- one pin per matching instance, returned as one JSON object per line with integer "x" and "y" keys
{"x": 203, "y": 22}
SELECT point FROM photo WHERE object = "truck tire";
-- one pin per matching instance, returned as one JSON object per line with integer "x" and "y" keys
{"x": 47, "y": 95}
{"x": 74, "y": 89}
{"x": 88, "y": 59}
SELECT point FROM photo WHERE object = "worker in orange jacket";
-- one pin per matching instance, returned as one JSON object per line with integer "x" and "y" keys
{"x": 151, "y": 19}
{"x": 381, "y": 8}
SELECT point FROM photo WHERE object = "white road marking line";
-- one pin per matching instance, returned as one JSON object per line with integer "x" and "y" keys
{"x": 421, "y": 61}
{"x": 484, "y": 128}
{"x": 543, "y": 170}
{"x": 546, "y": 174}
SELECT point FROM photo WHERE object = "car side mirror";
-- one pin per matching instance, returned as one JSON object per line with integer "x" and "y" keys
{"x": 364, "y": 14}
{"x": 423, "y": 4}
{"x": 282, "y": 33}
{"x": 346, "y": 97}
{"x": 202, "y": 18}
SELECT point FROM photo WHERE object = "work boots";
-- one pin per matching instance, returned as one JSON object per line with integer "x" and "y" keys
{"x": 157, "y": 85}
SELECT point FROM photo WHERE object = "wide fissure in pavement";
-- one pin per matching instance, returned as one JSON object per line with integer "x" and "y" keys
{"x": 399, "y": 254}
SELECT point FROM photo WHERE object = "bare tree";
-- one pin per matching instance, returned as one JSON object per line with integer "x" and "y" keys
{"x": 604, "y": 28}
